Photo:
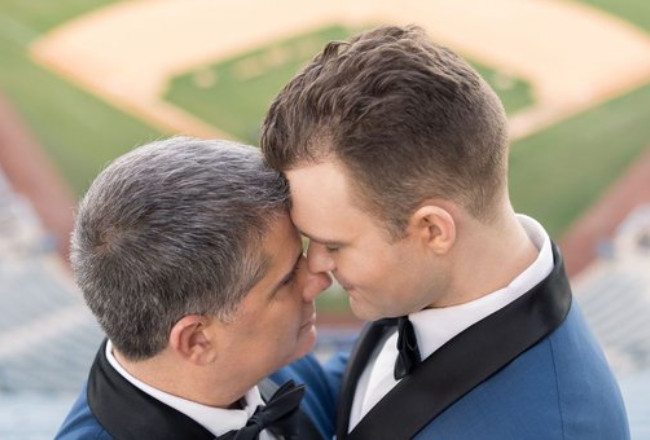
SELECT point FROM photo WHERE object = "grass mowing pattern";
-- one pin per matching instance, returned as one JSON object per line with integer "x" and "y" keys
{"x": 237, "y": 92}
{"x": 555, "y": 175}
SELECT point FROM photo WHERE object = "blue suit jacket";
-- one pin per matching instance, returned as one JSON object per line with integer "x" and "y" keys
{"x": 560, "y": 389}
{"x": 319, "y": 402}
{"x": 530, "y": 371}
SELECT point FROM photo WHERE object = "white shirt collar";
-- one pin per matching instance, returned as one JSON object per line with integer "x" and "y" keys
{"x": 434, "y": 327}
{"x": 216, "y": 420}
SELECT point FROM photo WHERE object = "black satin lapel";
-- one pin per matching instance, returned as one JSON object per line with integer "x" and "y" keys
{"x": 365, "y": 346}
{"x": 128, "y": 413}
{"x": 306, "y": 428}
{"x": 452, "y": 371}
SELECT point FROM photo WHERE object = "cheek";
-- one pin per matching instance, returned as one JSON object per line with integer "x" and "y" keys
{"x": 261, "y": 323}
{"x": 371, "y": 269}
{"x": 288, "y": 314}
{"x": 275, "y": 336}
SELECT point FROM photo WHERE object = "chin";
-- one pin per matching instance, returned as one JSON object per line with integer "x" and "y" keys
{"x": 368, "y": 312}
{"x": 363, "y": 311}
{"x": 305, "y": 344}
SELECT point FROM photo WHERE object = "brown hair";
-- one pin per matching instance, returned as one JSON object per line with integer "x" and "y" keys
{"x": 407, "y": 119}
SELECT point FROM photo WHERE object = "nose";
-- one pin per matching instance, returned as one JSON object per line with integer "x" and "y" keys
{"x": 318, "y": 259}
{"x": 315, "y": 284}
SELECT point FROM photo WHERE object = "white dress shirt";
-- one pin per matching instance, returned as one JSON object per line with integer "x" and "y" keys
{"x": 434, "y": 327}
{"x": 216, "y": 420}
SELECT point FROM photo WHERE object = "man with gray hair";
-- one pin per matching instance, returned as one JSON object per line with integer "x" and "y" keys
{"x": 186, "y": 255}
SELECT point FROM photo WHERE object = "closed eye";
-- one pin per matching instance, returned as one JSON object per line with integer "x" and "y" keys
{"x": 290, "y": 276}
{"x": 329, "y": 245}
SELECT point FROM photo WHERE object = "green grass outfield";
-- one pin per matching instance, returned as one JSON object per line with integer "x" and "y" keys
{"x": 78, "y": 131}
{"x": 555, "y": 174}
{"x": 244, "y": 86}
{"x": 558, "y": 173}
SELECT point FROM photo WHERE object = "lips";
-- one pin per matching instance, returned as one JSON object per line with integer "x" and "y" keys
{"x": 347, "y": 287}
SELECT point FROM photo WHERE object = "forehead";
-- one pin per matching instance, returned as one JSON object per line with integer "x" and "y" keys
{"x": 322, "y": 202}
{"x": 320, "y": 178}
{"x": 281, "y": 241}
{"x": 281, "y": 245}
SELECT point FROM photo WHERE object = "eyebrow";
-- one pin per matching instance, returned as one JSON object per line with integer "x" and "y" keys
{"x": 277, "y": 286}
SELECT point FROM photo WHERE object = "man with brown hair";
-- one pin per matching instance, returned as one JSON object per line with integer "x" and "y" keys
{"x": 396, "y": 154}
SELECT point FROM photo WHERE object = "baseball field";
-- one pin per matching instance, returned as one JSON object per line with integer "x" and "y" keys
{"x": 93, "y": 78}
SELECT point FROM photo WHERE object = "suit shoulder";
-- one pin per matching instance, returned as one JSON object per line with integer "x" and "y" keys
{"x": 80, "y": 423}
{"x": 586, "y": 386}
{"x": 559, "y": 389}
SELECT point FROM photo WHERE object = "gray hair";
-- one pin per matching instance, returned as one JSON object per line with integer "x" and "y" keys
{"x": 170, "y": 229}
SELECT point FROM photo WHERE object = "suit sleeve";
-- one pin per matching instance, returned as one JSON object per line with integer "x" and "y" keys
{"x": 322, "y": 382}
{"x": 80, "y": 423}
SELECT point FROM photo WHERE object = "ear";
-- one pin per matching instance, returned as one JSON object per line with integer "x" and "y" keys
{"x": 191, "y": 339}
{"x": 435, "y": 227}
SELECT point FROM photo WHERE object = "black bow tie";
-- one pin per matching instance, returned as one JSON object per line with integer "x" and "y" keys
{"x": 279, "y": 415}
{"x": 407, "y": 344}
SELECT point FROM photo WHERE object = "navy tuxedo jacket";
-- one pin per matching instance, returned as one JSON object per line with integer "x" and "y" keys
{"x": 530, "y": 371}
